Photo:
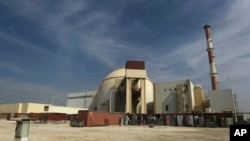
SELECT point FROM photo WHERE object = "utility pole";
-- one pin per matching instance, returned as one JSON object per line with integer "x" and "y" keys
{"x": 52, "y": 100}
{"x": 233, "y": 97}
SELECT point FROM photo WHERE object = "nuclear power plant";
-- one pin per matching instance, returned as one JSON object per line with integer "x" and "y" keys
{"x": 129, "y": 90}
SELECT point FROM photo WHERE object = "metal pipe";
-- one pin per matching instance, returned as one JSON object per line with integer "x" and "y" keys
{"x": 110, "y": 92}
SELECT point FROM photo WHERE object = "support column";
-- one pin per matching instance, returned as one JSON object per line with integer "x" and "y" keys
{"x": 128, "y": 96}
{"x": 143, "y": 97}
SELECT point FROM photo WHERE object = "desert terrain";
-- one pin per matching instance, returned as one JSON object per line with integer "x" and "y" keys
{"x": 63, "y": 132}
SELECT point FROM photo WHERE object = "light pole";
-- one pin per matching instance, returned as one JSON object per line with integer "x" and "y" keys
{"x": 230, "y": 85}
{"x": 229, "y": 81}
{"x": 52, "y": 100}
{"x": 110, "y": 92}
{"x": 84, "y": 98}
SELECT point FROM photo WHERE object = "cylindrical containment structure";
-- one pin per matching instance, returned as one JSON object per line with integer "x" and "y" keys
{"x": 211, "y": 58}
{"x": 111, "y": 95}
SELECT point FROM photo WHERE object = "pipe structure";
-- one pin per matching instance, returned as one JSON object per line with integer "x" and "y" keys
{"x": 211, "y": 59}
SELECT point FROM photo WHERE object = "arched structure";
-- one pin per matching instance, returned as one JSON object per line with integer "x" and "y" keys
{"x": 119, "y": 91}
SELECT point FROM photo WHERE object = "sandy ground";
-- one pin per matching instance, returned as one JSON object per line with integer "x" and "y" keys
{"x": 63, "y": 132}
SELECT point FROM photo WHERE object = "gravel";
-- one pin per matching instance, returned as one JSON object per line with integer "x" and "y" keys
{"x": 63, "y": 132}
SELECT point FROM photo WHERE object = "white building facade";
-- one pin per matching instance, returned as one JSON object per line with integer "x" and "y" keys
{"x": 82, "y": 100}
{"x": 174, "y": 97}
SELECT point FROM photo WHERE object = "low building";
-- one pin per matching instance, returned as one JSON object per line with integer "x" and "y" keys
{"x": 37, "y": 108}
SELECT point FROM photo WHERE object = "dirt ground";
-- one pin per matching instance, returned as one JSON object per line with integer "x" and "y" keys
{"x": 63, "y": 132}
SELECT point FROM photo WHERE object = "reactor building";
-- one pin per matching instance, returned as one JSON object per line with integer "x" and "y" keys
{"x": 129, "y": 90}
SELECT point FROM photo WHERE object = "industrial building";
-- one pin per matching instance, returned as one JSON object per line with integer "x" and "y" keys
{"x": 129, "y": 90}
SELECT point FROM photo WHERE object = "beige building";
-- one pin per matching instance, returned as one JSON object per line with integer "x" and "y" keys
{"x": 37, "y": 108}
{"x": 198, "y": 98}
{"x": 174, "y": 97}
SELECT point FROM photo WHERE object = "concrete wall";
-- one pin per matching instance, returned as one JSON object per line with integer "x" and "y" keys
{"x": 221, "y": 100}
{"x": 136, "y": 73}
{"x": 149, "y": 92}
{"x": 67, "y": 110}
{"x": 173, "y": 97}
{"x": 199, "y": 98}
{"x": 36, "y": 108}
{"x": 11, "y": 108}
{"x": 165, "y": 95}
{"x": 81, "y": 99}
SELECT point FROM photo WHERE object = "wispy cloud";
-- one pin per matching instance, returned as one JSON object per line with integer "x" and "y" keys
{"x": 28, "y": 92}
{"x": 231, "y": 43}
{"x": 12, "y": 67}
{"x": 58, "y": 25}
{"x": 14, "y": 39}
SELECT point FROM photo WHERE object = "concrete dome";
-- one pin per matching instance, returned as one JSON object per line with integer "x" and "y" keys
{"x": 108, "y": 89}
{"x": 116, "y": 74}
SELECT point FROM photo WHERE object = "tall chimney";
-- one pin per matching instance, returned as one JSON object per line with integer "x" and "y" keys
{"x": 210, "y": 51}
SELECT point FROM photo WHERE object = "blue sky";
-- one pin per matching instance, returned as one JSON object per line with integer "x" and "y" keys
{"x": 57, "y": 47}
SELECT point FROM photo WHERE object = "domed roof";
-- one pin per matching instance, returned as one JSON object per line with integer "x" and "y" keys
{"x": 116, "y": 73}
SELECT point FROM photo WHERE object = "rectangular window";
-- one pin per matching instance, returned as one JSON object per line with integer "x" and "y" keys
{"x": 46, "y": 108}
{"x": 166, "y": 107}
